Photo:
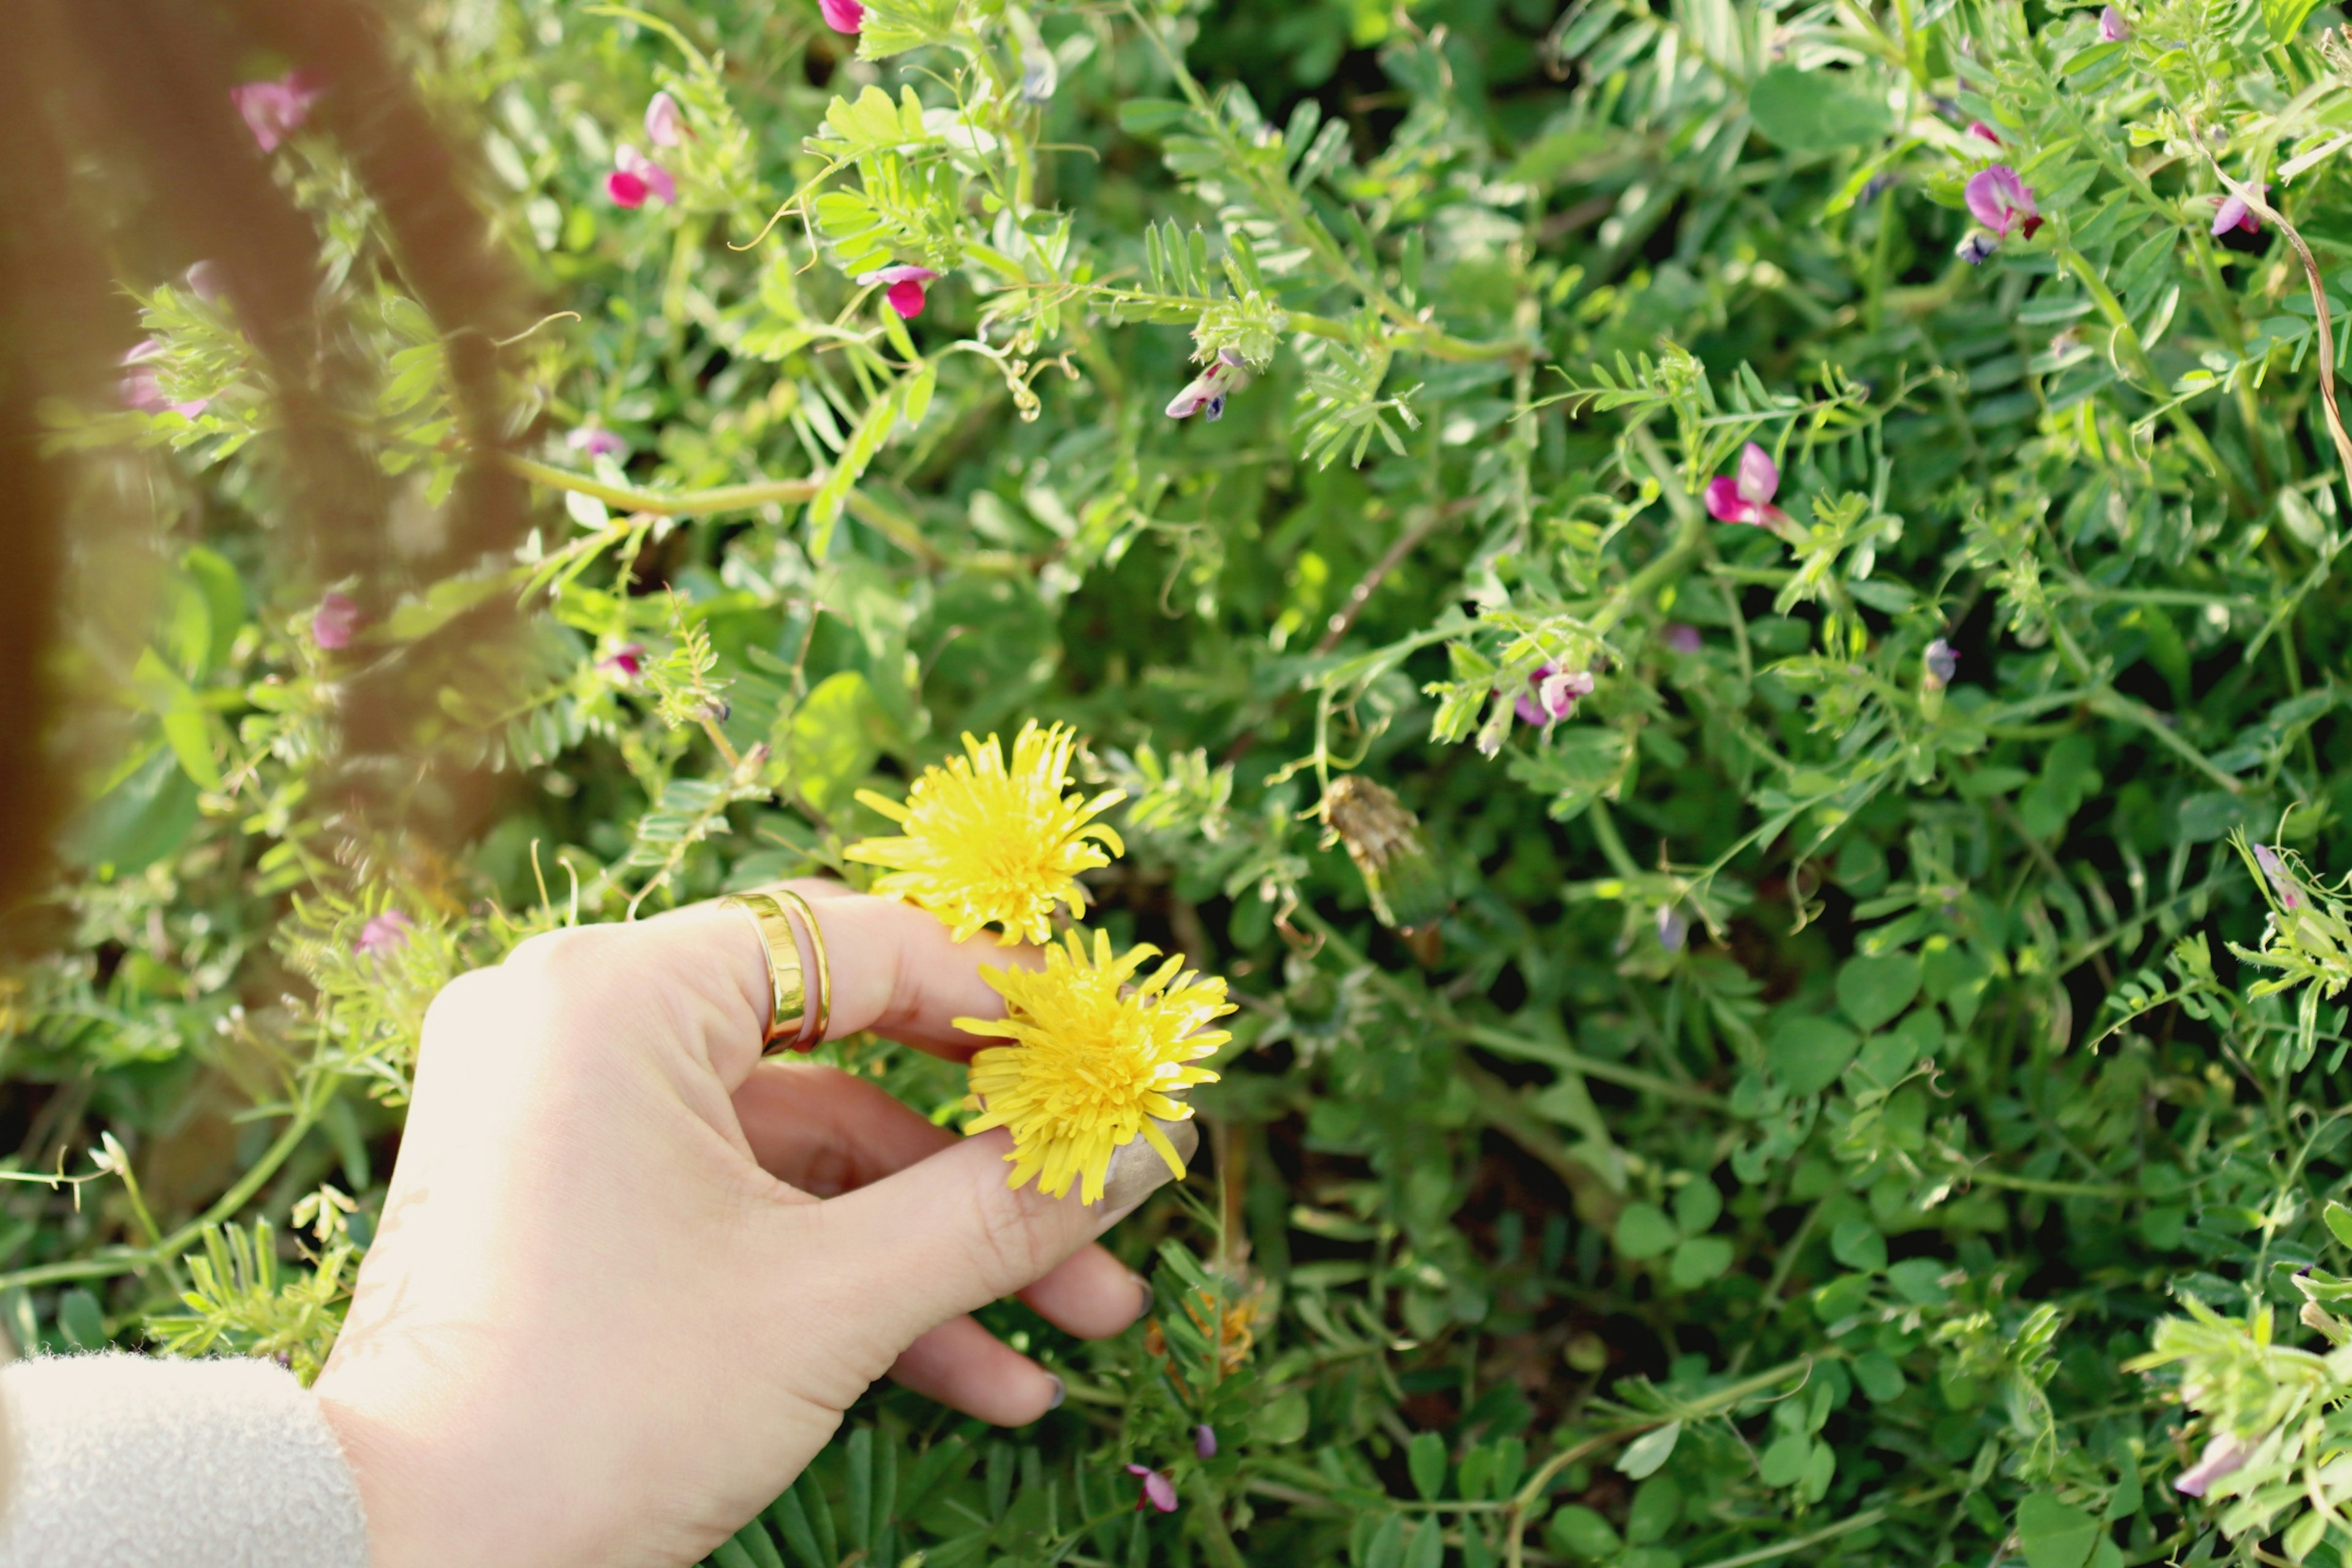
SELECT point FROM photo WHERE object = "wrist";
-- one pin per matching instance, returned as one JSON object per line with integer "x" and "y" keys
{"x": 383, "y": 1463}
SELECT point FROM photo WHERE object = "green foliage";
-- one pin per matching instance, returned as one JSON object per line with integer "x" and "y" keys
{"x": 1800, "y": 1100}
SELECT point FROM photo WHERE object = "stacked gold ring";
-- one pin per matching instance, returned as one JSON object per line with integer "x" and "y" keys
{"x": 795, "y": 1019}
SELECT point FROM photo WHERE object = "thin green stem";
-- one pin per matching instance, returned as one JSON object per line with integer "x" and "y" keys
{"x": 724, "y": 499}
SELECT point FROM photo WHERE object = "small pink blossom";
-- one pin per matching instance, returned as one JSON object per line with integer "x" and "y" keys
{"x": 665, "y": 125}
{"x": 334, "y": 622}
{"x": 906, "y": 283}
{"x": 2274, "y": 872}
{"x": 1159, "y": 1491}
{"x": 1204, "y": 1440}
{"x": 273, "y": 110}
{"x": 2001, "y": 201}
{"x": 595, "y": 441}
{"x": 205, "y": 281}
{"x": 625, "y": 662}
{"x": 1681, "y": 639}
{"x": 843, "y": 16}
{"x": 1984, "y": 132}
{"x": 2224, "y": 1454}
{"x": 2112, "y": 28}
{"x": 636, "y": 177}
{"x": 383, "y": 933}
{"x": 1205, "y": 392}
{"x": 1554, "y": 693}
{"x": 142, "y": 389}
{"x": 1746, "y": 496}
{"x": 2233, "y": 213}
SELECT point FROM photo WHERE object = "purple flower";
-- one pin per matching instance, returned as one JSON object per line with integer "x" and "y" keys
{"x": 2222, "y": 1456}
{"x": 625, "y": 662}
{"x": 206, "y": 283}
{"x": 906, "y": 285}
{"x": 1204, "y": 1440}
{"x": 1940, "y": 663}
{"x": 1680, "y": 638}
{"x": 1158, "y": 1490}
{"x": 1674, "y": 928}
{"x": 664, "y": 126}
{"x": 595, "y": 441}
{"x": 334, "y": 621}
{"x": 1747, "y": 497}
{"x": 273, "y": 110}
{"x": 2274, "y": 872}
{"x": 636, "y": 177}
{"x": 142, "y": 389}
{"x": 1205, "y": 392}
{"x": 1551, "y": 695}
{"x": 2233, "y": 213}
{"x": 1980, "y": 130}
{"x": 843, "y": 16}
{"x": 1976, "y": 248}
{"x": 383, "y": 933}
{"x": 2112, "y": 28}
{"x": 2001, "y": 201}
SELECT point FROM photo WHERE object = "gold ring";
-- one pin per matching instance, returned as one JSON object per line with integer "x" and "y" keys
{"x": 790, "y": 1015}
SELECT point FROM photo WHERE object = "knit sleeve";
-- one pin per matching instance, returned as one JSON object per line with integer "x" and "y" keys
{"x": 126, "y": 1462}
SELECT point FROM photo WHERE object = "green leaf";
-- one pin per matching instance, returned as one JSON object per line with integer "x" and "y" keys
{"x": 1428, "y": 1549}
{"x": 2285, "y": 18}
{"x": 1425, "y": 1458}
{"x": 1657, "y": 1504}
{"x": 2052, "y": 1535}
{"x": 1857, "y": 1244}
{"x": 82, "y": 1321}
{"x": 1808, "y": 1054}
{"x": 833, "y": 739}
{"x": 1783, "y": 1463}
{"x": 1698, "y": 1260}
{"x": 1577, "y": 1531}
{"x": 1818, "y": 110}
{"x": 1872, "y": 991}
{"x": 1643, "y": 1456}
{"x": 1645, "y": 1231}
{"x": 1879, "y": 1376}
{"x": 2339, "y": 1222}
{"x": 1698, "y": 1203}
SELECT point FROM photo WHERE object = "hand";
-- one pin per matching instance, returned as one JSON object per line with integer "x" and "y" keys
{"x": 629, "y": 1275}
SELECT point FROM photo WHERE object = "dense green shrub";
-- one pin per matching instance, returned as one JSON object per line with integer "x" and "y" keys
{"x": 1757, "y": 1111}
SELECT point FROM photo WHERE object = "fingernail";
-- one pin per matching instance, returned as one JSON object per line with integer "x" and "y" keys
{"x": 1061, "y": 1392}
{"x": 1142, "y": 1289}
{"x": 1137, "y": 1168}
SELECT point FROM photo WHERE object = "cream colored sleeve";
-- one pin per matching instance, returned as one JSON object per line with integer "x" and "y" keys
{"x": 127, "y": 1461}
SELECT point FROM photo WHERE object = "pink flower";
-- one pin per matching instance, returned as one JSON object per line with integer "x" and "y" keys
{"x": 142, "y": 389}
{"x": 1555, "y": 694}
{"x": 334, "y": 621}
{"x": 2112, "y": 28}
{"x": 1158, "y": 1490}
{"x": 2233, "y": 213}
{"x": 2274, "y": 872}
{"x": 843, "y": 16}
{"x": 2222, "y": 1456}
{"x": 206, "y": 283}
{"x": 273, "y": 110}
{"x": 1977, "y": 128}
{"x": 1748, "y": 497}
{"x": 635, "y": 177}
{"x": 1680, "y": 638}
{"x": 664, "y": 126}
{"x": 2001, "y": 201}
{"x": 1205, "y": 392}
{"x": 907, "y": 283}
{"x": 595, "y": 441}
{"x": 381, "y": 934}
{"x": 1204, "y": 1440}
{"x": 625, "y": 662}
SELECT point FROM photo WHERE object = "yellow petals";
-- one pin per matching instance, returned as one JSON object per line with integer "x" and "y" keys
{"x": 988, "y": 844}
{"x": 1096, "y": 1054}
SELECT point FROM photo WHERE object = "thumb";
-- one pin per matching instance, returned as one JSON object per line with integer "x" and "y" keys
{"x": 946, "y": 1236}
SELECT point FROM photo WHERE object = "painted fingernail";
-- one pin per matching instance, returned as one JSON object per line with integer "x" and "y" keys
{"x": 1143, "y": 1291}
{"x": 1137, "y": 1168}
{"x": 1061, "y": 1392}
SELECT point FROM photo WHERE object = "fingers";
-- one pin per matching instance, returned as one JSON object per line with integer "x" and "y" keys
{"x": 894, "y": 970}
{"x": 964, "y": 1366}
{"x": 826, "y": 1131}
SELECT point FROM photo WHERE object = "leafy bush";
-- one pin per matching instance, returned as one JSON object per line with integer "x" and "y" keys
{"x": 1805, "y": 1039}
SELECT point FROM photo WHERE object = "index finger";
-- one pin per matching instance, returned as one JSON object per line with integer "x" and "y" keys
{"x": 895, "y": 970}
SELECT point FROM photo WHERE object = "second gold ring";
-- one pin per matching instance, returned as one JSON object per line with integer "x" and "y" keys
{"x": 798, "y": 1010}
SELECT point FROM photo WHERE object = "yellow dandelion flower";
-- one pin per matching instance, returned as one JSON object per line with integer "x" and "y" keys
{"x": 1096, "y": 1054}
{"x": 991, "y": 845}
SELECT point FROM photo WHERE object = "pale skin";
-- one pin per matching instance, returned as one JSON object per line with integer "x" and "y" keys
{"x": 630, "y": 1275}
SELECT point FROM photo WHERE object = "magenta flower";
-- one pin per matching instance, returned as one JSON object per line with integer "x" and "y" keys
{"x": 635, "y": 177}
{"x": 1941, "y": 663}
{"x": 1680, "y": 638}
{"x": 383, "y": 933}
{"x": 2001, "y": 201}
{"x": 1747, "y": 496}
{"x": 595, "y": 441}
{"x": 625, "y": 662}
{"x": 1554, "y": 694}
{"x": 1158, "y": 1490}
{"x": 1205, "y": 392}
{"x": 907, "y": 283}
{"x": 1204, "y": 1440}
{"x": 665, "y": 125}
{"x": 2112, "y": 28}
{"x": 273, "y": 110}
{"x": 843, "y": 16}
{"x": 2222, "y": 1456}
{"x": 335, "y": 620}
{"x": 2233, "y": 213}
{"x": 142, "y": 389}
{"x": 2274, "y": 871}
{"x": 1977, "y": 128}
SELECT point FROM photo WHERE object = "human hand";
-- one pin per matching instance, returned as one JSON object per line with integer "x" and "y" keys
{"x": 629, "y": 1275}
